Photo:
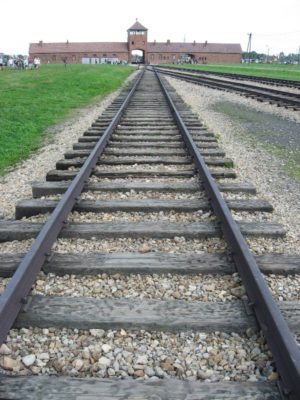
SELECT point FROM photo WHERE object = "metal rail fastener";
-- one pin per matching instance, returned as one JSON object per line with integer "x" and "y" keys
{"x": 15, "y": 296}
{"x": 279, "y": 337}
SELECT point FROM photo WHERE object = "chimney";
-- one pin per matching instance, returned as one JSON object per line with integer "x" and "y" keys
{"x": 194, "y": 42}
{"x": 67, "y": 42}
{"x": 168, "y": 41}
{"x": 154, "y": 42}
{"x": 41, "y": 43}
{"x": 205, "y": 44}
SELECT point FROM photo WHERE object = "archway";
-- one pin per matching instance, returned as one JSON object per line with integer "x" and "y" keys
{"x": 137, "y": 57}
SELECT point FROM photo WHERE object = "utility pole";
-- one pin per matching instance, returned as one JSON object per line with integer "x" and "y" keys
{"x": 268, "y": 56}
{"x": 249, "y": 45}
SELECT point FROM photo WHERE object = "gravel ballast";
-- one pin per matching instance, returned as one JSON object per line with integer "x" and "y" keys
{"x": 138, "y": 354}
{"x": 142, "y": 245}
{"x": 252, "y": 163}
{"x": 160, "y": 287}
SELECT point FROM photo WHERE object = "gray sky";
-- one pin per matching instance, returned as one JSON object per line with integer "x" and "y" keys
{"x": 275, "y": 24}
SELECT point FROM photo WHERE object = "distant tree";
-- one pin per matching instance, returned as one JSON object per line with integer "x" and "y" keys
{"x": 253, "y": 56}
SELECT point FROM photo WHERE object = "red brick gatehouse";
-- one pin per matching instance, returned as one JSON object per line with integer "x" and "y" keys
{"x": 137, "y": 40}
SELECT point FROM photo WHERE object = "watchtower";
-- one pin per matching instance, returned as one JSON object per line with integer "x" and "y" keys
{"x": 137, "y": 39}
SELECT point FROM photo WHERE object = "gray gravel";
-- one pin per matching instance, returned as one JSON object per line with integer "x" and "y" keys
{"x": 143, "y": 245}
{"x": 252, "y": 163}
{"x": 139, "y": 195}
{"x": 137, "y": 354}
{"x": 120, "y": 216}
{"x": 159, "y": 286}
{"x": 144, "y": 167}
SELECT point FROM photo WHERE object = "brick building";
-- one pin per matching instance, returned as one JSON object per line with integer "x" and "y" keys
{"x": 137, "y": 42}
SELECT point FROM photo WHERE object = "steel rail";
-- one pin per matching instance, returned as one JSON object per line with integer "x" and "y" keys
{"x": 15, "y": 297}
{"x": 238, "y": 77}
{"x": 237, "y": 85}
{"x": 279, "y": 338}
{"x": 291, "y": 99}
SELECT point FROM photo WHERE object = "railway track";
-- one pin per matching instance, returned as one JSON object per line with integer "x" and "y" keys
{"x": 137, "y": 182}
{"x": 240, "y": 77}
{"x": 272, "y": 96}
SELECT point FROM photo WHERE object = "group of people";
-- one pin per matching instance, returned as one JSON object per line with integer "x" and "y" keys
{"x": 36, "y": 62}
{"x": 19, "y": 63}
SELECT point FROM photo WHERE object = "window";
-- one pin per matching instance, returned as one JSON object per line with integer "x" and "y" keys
{"x": 73, "y": 57}
{"x": 152, "y": 56}
{"x": 104, "y": 55}
{"x": 137, "y": 33}
{"x": 54, "y": 58}
{"x": 160, "y": 57}
{"x": 132, "y": 42}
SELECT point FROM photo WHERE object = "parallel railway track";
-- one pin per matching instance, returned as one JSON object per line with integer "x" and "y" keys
{"x": 242, "y": 77}
{"x": 154, "y": 146}
{"x": 273, "y": 96}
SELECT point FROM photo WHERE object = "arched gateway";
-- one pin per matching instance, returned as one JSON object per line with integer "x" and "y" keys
{"x": 137, "y": 41}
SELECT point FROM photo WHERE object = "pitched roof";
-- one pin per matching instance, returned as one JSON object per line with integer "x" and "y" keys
{"x": 115, "y": 47}
{"x": 137, "y": 26}
{"x": 194, "y": 47}
{"x": 78, "y": 47}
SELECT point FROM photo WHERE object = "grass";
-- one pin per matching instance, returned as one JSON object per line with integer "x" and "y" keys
{"x": 278, "y": 71}
{"x": 32, "y": 101}
{"x": 277, "y": 136}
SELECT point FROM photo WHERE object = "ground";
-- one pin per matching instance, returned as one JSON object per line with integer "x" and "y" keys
{"x": 263, "y": 140}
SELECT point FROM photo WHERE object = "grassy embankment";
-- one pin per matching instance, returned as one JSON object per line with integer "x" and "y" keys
{"x": 278, "y": 71}
{"x": 31, "y": 101}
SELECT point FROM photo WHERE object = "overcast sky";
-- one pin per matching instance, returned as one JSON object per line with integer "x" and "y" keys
{"x": 275, "y": 24}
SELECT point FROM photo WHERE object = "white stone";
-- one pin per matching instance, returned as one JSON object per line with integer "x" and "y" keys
{"x": 5, "y": 350}
{"x": 78, "y": 364}
{"x": 43, "y": 356}
{"x": 104, "y": 362}
{"x": 106, "y": 348}
{"x": 29, "y": 360}
{"x": 97, "y": 332}
{"x": 142, "y": 359}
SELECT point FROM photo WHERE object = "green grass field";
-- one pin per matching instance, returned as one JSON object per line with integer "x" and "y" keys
{"x": 33, "y": 100}
{"x": 278, "y": 71}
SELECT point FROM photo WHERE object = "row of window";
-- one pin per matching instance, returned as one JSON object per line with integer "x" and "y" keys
{"x": 114, "y": 55}
{"x": 137, "y": 33}
{"x": 163, "y": 57}
{"x": 74, "y": 57}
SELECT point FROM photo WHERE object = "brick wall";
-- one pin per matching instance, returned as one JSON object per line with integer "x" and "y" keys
{"x": 201, "y": 58}
{"x": 75, "y": 58}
